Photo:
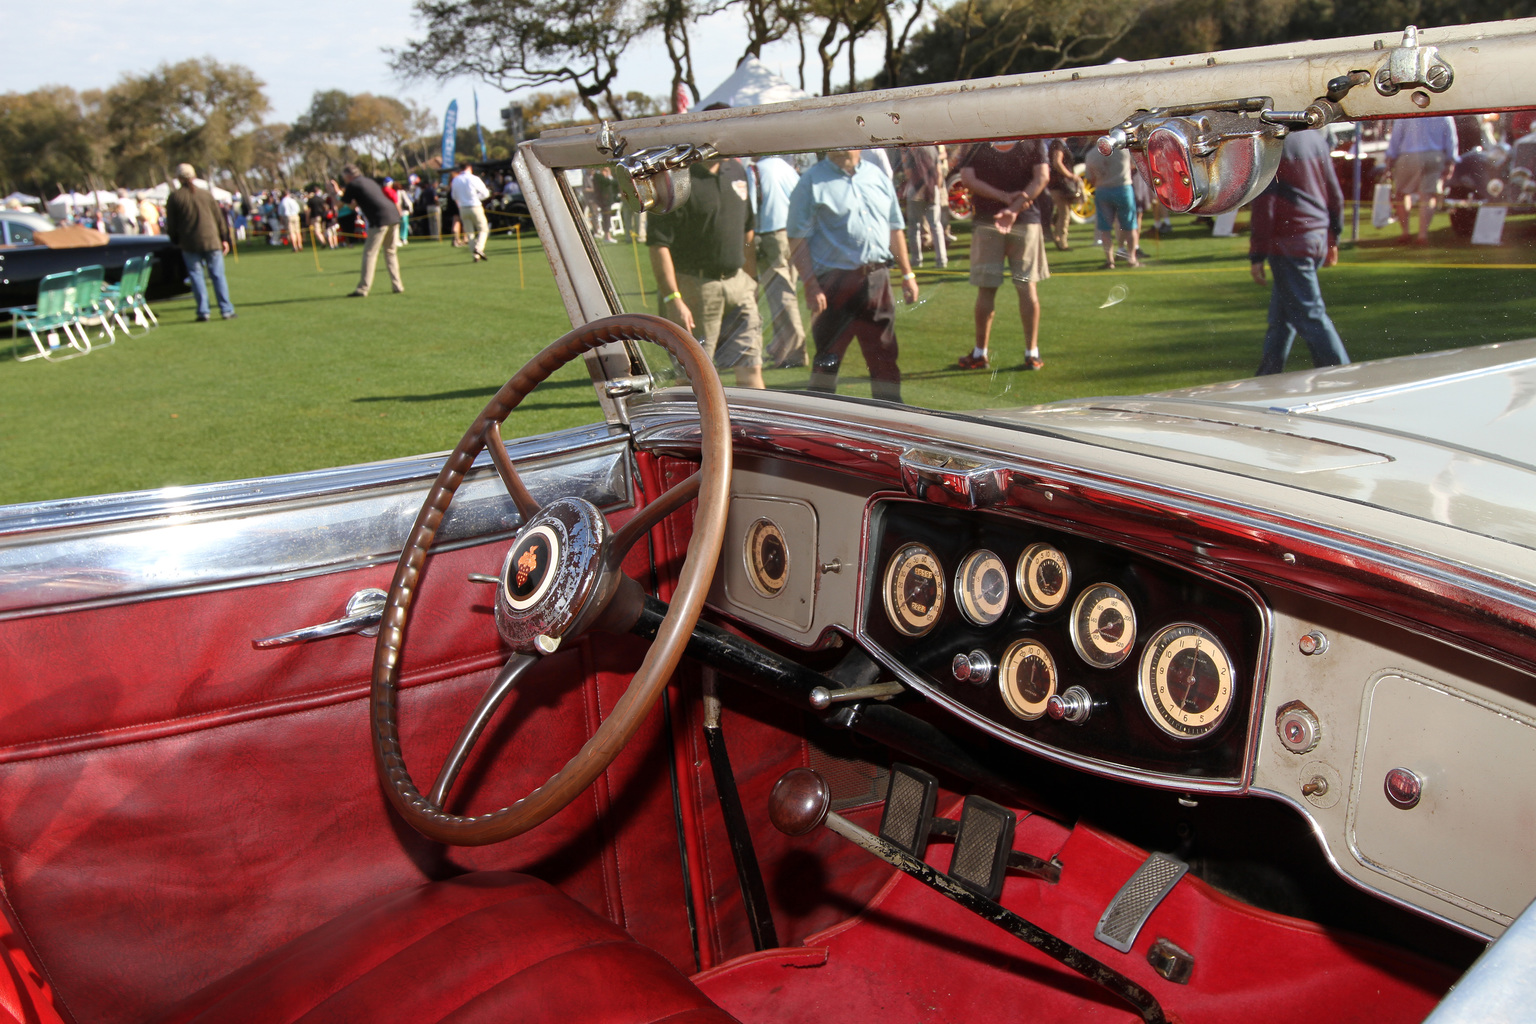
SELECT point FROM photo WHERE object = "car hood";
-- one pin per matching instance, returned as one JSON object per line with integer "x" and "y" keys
{"x": 1449, "y": 437}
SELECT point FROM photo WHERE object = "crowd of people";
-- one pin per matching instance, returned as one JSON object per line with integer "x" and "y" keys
{"x": 838, "y": 229}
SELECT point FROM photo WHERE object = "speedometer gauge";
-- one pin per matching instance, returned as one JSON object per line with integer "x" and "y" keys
{"x": 1185, "y": 680}
{"x": 1027, "y": 678}
{"x": 1103, "y": 625}
{"x": 1043, "y": 577}
{"x": 914, "y": 589}
{"x": 981, "y": 587}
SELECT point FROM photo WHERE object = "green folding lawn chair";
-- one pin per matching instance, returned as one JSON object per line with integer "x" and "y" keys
{"x": 52, "y": 318}
{"x": 127, "y": 296}
{"x": 91, "y": 309}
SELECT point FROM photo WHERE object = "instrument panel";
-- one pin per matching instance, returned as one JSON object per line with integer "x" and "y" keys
{"x": 1091, "y": 654}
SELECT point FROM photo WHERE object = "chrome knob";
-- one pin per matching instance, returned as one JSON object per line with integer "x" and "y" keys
{"x": 1298, "y": 727}
{"x": 1071, "y": 705}
{"x": 975, "y": 667}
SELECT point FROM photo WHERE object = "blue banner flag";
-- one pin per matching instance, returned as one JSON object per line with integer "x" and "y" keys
{"x": 450, "y": 137}
{"x": 478, "y": 133}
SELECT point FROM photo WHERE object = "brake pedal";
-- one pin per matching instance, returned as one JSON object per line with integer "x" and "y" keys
{"x": 983, "y": 846}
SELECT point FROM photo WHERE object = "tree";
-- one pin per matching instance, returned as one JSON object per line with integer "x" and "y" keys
{"x": 181, "y": 112}
{"x": 847, "y": 21}
{"x": 672, "y": 17}
{"x": 980, "y": 38}
{"x": 524, "y": 43}
{"x": 48, "y": 137}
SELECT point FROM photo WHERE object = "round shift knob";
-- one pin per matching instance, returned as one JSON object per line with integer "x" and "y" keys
{"x": 799, "y": 802}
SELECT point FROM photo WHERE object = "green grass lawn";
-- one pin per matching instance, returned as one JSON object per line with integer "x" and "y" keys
{"x": 306, "y": 378}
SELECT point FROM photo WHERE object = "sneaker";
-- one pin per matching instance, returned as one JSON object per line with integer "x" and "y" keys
{"x": 357, "y": 295}
{"x": 971, "y": 361}
{"x": 231, "y": 316}
{"x": 1034, "y": 363}
{"x": 203, "y": 319}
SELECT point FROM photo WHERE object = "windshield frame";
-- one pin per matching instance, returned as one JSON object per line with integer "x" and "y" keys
{"x": 1491, "y": 62}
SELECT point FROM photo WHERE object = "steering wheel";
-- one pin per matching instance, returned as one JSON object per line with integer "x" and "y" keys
{"x": 560, "y": 578}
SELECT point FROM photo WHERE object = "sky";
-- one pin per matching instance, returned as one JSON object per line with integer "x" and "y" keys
{"x": 299, "y": 47}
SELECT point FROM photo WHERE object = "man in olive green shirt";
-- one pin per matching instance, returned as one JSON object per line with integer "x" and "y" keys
{"x": 197, "y": 227}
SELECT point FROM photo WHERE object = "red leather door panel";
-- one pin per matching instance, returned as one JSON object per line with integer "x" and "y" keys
{"x": 174, "y": 804}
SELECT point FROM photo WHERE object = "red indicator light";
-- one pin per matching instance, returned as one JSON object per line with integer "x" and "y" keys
{"x": 1169, "y": 162}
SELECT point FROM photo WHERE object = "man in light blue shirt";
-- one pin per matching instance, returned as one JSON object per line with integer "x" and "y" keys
{"x": 776, "y": 276}
{"x": 845, "y": 226}
{"x": 1422, "y": 156}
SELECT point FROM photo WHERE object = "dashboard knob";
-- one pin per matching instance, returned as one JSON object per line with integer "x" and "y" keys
{"x": 1074, "y": 704}
{"x": 975, "y": 667}
{"x": 1298, "y": 728}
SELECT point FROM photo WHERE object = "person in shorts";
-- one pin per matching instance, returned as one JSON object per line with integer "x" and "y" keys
{"x": 1114, "y": 202}
{"x": 704, "y": 260}
{"x": 1006, "y": 180}
{"x": 1422, "y": 156}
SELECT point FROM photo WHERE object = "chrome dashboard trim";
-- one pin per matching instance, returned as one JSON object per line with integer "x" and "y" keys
{"x": 111, "y": 549}
{"x": 1469, "y": 608}
{"x": 1109, "y": 769}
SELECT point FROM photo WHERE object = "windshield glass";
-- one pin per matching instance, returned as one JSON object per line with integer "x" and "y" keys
{"x": 1086, "y": 286}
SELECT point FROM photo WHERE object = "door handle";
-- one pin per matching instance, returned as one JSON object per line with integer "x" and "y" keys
{"x": 365, "y": 609}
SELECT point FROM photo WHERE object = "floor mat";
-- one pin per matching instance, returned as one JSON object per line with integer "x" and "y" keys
{"x": 913, "y": 956}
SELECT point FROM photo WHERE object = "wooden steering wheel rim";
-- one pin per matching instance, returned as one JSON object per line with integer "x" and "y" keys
{"x": 659, "y": 662}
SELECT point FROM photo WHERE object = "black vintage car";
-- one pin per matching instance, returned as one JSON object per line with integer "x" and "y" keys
{"x": 24, "y": 262}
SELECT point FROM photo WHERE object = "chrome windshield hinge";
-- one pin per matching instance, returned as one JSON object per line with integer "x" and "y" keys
{"x": 624, "y": 387}
{"x": 1411, "y": 65}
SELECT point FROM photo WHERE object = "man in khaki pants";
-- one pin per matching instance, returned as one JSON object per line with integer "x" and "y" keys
{"x": 706, "y": 273}
{"x": 383, "y": 228}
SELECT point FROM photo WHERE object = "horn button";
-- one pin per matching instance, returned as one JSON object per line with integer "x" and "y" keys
{"x": 553, "y": 582}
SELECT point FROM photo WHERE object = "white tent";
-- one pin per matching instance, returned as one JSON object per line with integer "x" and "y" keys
{"x": 163, "y": 190}
{"x": 752, "y": 84}
{"x": 22, "y": 198}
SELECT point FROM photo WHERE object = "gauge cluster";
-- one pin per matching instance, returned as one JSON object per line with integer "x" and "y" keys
{"x": 1075, "y": 648}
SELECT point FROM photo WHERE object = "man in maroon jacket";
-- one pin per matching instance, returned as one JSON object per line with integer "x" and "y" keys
{"x": 1296, "y": 224}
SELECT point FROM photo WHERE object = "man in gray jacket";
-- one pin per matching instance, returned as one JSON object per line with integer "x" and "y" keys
{"x": 197, "y": 227}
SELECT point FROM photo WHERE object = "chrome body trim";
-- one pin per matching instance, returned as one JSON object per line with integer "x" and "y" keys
{"x": 1467, "y": 607}
{"x": 1109, "y": 769}
{"x": 112, "y": 549}
{"x": 1370, "y": 395}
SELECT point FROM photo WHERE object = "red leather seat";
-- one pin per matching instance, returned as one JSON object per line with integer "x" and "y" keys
{"x": 491, "y": 946}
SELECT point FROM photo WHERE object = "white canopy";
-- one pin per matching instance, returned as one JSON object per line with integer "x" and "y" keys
{"x": 752, "y": 84}
{"x": 23, "y": 198}
{"x": 162, "y": 190}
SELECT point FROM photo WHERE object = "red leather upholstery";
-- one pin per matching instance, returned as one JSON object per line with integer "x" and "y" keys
{"x": 25, "y": 995}
{"x": 175, "y": 805}
{"x": 489, "y": 946}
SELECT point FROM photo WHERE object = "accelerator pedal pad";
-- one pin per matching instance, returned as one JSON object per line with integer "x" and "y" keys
{"x": 1137, "y": 898}
{"x": 909, "y": 803}
{"x": 983, "y": 846}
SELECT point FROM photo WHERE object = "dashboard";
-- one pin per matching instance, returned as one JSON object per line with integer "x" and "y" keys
{"x": 1113, "y": 654}
{"x": 1065, "y": 645}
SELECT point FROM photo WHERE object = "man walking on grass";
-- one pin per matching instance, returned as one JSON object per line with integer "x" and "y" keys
{"x": 383, "y": 227}
{"x": 197, "y": 227}
{"x": 1296, "y": 224}
{"x": 468, "y": 191}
